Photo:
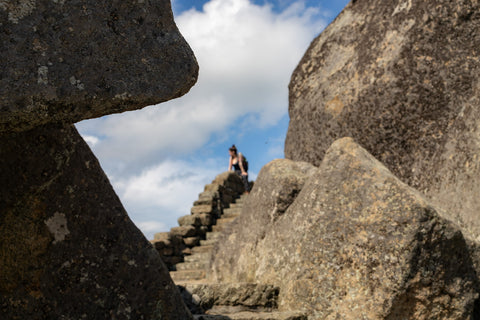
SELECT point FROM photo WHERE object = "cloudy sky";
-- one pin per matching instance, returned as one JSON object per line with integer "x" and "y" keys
{"x": 158, "y": 159}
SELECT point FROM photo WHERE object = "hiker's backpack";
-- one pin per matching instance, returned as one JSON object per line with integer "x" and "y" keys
{"x": 245, "y": 163}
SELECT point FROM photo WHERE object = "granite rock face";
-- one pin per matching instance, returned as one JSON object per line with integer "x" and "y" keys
{"x": 67, "y": 247}
{"x": 73, "y": 60}
{"x": 246, "y": 296}
{"x": 400, "y": 77}
{"x": 276, "y": 187}
{"x": 357, "y": 243}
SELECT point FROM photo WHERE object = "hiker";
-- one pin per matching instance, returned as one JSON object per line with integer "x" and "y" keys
{"x": 240, "y": 165}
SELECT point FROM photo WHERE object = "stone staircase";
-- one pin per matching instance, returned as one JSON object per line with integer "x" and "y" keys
{"x": 196, "y": 264}
{"x": 214, "y": 203}
{"x": 225, "y": 301}
{"x": 187, "y": 252}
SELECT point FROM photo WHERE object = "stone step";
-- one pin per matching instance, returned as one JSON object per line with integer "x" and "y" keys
{"x": 230, "y": 215}
{"x": 208, "y": 242}
{"x": 187, "y": 275}
{"x": 242, "y": 199}
{"x": 232, "y": 210}
{"x": 193, "y": 265}
{"x": 249, "y": 315}
{"x": 199, "y": 256}
{"x": 218, "y": 228}
{"x": 235, "y": 206}
{"x": 224, "y": 221}
{"x": 202, "y": 248}
{"x": 213, "y": 235}
{"x": 222, "y": 298}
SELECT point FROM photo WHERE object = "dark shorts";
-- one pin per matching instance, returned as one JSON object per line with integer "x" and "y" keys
{"x": 246, "y": 185}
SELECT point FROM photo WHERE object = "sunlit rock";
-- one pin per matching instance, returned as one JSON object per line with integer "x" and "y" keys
{"x": 401, "y": 78}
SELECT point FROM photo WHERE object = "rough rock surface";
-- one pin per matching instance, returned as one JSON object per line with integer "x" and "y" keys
{"x": 357, "y": 243}
{"x": 202, "y": 297}
{"x": 254, "y": 316}
{"x": 67, "y": 247}
{"x": 276, "y": 187}
{"x": 400, "y": 77}
{"x": 175, "y": 245}
{"x": 73, "y": 60}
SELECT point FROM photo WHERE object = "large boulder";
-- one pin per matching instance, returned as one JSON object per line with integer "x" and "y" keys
{"x": 276, "y": 187}
{"x": 357, "y": 243}
{"x": 400, "y": 77}
{"x": 73, "y": 60}
{"x": 67, "y": 247}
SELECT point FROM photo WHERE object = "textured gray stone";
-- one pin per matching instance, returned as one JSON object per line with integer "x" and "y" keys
{"x": 189, "y": 220}
{"x": 73, "y": 60}
{"x": 199, "y": 209}
{"x": 357, "y": 243}
{"x": 184, "y": 231}
{"x": 191, "y": 241}
{"x": 202, "y": 297}
{"x": 249, "y": 315}
{"x": 401, "y": 78}
{"x": 67, "y": 247}
{"x": 276, "y": 187}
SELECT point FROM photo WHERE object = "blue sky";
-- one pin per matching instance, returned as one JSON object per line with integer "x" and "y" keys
{"x": 158, "y": 159}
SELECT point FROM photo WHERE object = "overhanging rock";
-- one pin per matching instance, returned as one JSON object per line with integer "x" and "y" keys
{"x": 73, "y": 60}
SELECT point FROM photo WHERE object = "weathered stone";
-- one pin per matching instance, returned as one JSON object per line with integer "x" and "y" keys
{"x": 401, "y": 78}
{"x": 159, "y": 245}
{"x": 213, "y": 187}
{"x": 168, "y": 240}
{"x": 206, "y": 219}
{"x": 205, "y": 208}
{"x": 67, "y": 247}
{"x": 250, "y": 295}
{"x": 227, "y": 199}
{"x": 208, "y": 195}
{"x": 186, "y": 252}
{"x": 191, "y": 241}
{"x": 184, "y": 231}
{"x": 161, "y": 236}
{"x": 172, "y": 261}
{"x": 190, "y": 220}
{"x": 228, "y": 182}
{"x": 167, "y": 251}
{"x": 202, "y": 230}
{"x": 254, "y": 315}
{"x": 211, "y": 201}
{"x": 187, "y": 275}
{"x": 64, "y": 61}
{"x": 357, "y": 243}
{"x": 277, "y": 185}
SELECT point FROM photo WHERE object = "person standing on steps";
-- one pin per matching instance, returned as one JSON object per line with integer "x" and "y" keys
{"x": 240, "y": 165}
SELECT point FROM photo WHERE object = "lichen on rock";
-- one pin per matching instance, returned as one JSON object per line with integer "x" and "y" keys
{"x": 357, "y": 243}
{"x": 400, "y": 78}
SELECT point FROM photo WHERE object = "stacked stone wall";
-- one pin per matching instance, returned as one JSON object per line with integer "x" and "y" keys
{"x": 174, "y": 245}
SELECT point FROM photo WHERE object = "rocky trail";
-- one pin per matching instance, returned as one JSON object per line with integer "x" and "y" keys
{"x": 222, "y": 301}
{"x": 195, "y": 266}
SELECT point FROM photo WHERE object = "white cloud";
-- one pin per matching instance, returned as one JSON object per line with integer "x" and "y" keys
{"x": 149, "y": 228}
{"x": 158, "y": 196}
{"x": 91, "y": 140}
{"x": 246, "y": 55}
{"x": 247, "y": 52}
{"x": 160, "y": 131}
